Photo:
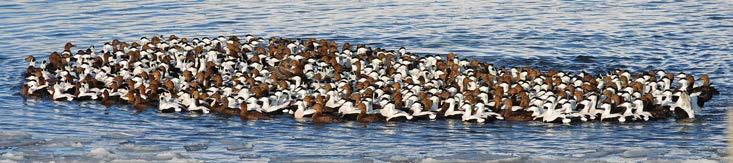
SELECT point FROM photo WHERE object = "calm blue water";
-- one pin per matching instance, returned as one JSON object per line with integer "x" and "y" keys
{"x": 694, "y": 37}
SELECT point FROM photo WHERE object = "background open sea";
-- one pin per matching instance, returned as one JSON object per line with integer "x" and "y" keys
{"x": 692, "y": 37}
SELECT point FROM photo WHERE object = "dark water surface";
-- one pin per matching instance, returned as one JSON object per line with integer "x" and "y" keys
{"x": 694, "y": 37}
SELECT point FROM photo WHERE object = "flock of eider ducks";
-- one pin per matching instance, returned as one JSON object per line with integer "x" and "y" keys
{"x": 319, "y": 80}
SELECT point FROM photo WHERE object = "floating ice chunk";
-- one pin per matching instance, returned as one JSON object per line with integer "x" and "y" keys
{"x": 602, "y": 153}
{"x": 239, "y": 147}
{"x": 117, "y": 135}
{"x": 196, "y": 147}
{"x": 640, "y": 152}
{"x": 248, "y": 156}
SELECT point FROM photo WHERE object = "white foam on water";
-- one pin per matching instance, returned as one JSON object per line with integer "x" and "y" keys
{"x": 560, "y": 159}
{"x": 101, "y": 153}
{"x": 398, "y": 159}
{"x": 641, "y": 152}
{"x": 166, "y": 156}
{"x": 458, "y": 160}
{"x": 174, "y": 160}
{"x": 684, "y": 161}
{"x": 13, "y": 139}
{"x": 65, "y": 142}
{"x": 129, "y": 161}
{"x": 618, "y": 159}
{"x": 678, "y": 153}
{"x": 316, "y": 160}
{"x": 699, "y": 161}
{"x": 12, "y": 156}
{"x": 15, "y": 135}
{"x": 141, "y": 148}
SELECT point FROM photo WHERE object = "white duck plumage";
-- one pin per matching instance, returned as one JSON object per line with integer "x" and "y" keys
{"x": 417, "y": 111}
{"x": 390, "y": 112}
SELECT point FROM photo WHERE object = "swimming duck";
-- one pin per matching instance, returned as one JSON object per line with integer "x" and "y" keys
{"x": 682, "y": 108}
{"x": 302, "y": 110}
{"x": 450, "y": 111}
{"x": 420, "y": 113}
{"x": 608, "y": 116}
{"x": 518, "y": 113}
{"x": 486, "y": 114}
{"x": 468, "y": 115}
{"x": 248, "y": 115}
{"x": 391, "y": 113}
{"x": 320, "y": 116}
{"x": 348, "y": 110}
{"x": 195, "y": 106}
{"x": 363, "y": 117}
{"x": 59, "y": 94}
{"x": 166, "y": 103}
